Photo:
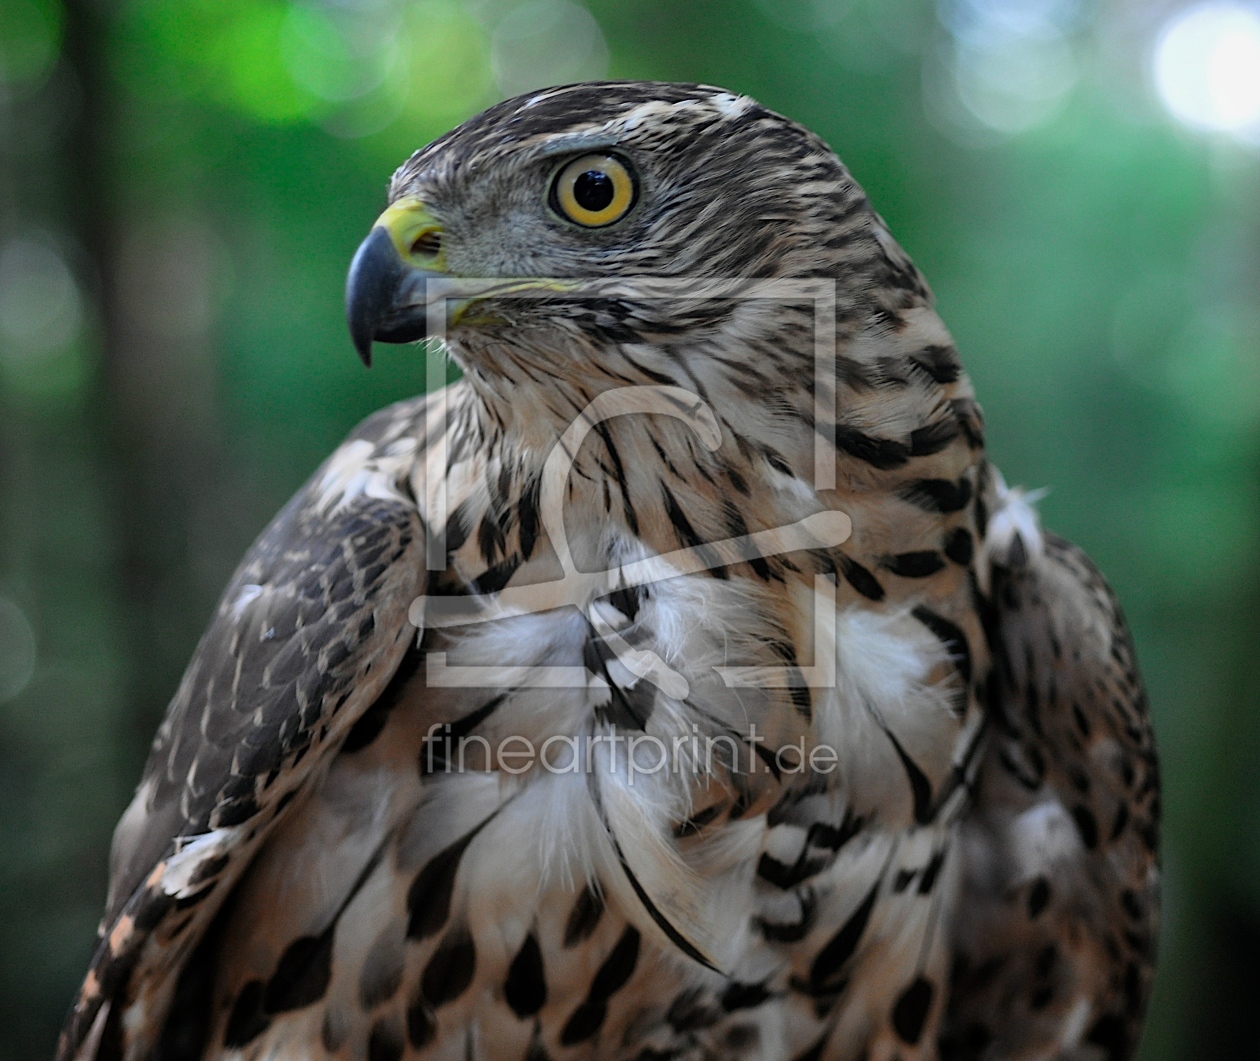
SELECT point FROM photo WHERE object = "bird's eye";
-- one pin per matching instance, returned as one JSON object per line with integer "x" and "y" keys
{"x": 593, "y": 190}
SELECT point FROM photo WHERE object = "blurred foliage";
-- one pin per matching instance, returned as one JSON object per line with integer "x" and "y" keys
{"x": 182, "y": 183}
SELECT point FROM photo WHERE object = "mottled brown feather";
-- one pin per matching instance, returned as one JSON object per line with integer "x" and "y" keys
{"x": 277, "y": 681}
{"x": 1054, "y": 952}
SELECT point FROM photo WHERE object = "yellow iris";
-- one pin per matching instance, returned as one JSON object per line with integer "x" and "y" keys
{"x": 594, "y": 190}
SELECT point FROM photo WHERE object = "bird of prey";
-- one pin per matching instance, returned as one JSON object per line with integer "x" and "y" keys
{"x": 711, "y": 490}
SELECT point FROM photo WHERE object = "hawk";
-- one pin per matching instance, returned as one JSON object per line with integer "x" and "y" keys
{"x": 681, "y": 683}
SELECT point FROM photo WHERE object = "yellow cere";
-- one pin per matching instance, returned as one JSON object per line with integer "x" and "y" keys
{"x": 594, "y": 190}
{"x": 414, "y": 232}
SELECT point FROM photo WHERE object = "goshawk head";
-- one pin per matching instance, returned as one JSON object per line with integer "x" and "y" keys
{"x": 558, "y": 227}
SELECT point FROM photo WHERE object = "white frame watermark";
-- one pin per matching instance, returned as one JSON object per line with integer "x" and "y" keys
{"x": 577, "y": 589}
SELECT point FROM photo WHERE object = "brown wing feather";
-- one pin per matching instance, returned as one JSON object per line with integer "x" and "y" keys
{"x": 1059, "y": 916}
{"x": 304, "y": 638}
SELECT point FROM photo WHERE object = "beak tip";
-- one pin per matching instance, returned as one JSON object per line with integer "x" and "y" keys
{"x": 361, "y": 329}
{"x": 369, "y": 287}
{"x": 362, "y": 340}
{"x": 384, "y": 296}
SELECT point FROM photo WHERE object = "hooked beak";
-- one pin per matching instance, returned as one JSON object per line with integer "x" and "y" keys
{"x": 385, "y": 290}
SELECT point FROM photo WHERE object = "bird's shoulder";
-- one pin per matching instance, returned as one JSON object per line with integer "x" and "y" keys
{"x": 304, "y": 638}
{"x": 1055, "y": 940}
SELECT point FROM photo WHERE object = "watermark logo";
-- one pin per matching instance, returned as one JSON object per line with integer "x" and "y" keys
{"x": 643, "y": 754}
{"x": 581, "y": 589}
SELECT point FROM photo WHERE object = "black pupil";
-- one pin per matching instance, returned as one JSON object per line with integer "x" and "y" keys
{"x": 593, "y": 190}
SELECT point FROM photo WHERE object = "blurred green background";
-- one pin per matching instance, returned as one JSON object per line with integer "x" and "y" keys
{"x": 182, "y": 184}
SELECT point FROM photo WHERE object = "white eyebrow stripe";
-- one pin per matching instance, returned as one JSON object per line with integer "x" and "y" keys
{"x": 571, "y": 143}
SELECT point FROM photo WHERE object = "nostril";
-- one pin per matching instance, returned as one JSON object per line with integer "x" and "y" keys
{"x": 427, "y": 244}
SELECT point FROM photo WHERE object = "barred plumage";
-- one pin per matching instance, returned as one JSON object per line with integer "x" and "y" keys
{"x": 333, "y": 852}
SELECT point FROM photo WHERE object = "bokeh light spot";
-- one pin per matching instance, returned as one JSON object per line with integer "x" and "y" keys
{"x": 547, "y": 42}
{"x": 1013, "y": 83}
{"x": 1207, "y": 68}
{"x": 1012, "y": 64}
{"x": 42, "y": 349}
{"x": 450, "y": 61}
{"x": 967, "y": 18}
{"x": 17, "y": 650}
{"x": 40, "y": 306}
{"x": 340, "y": 54}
